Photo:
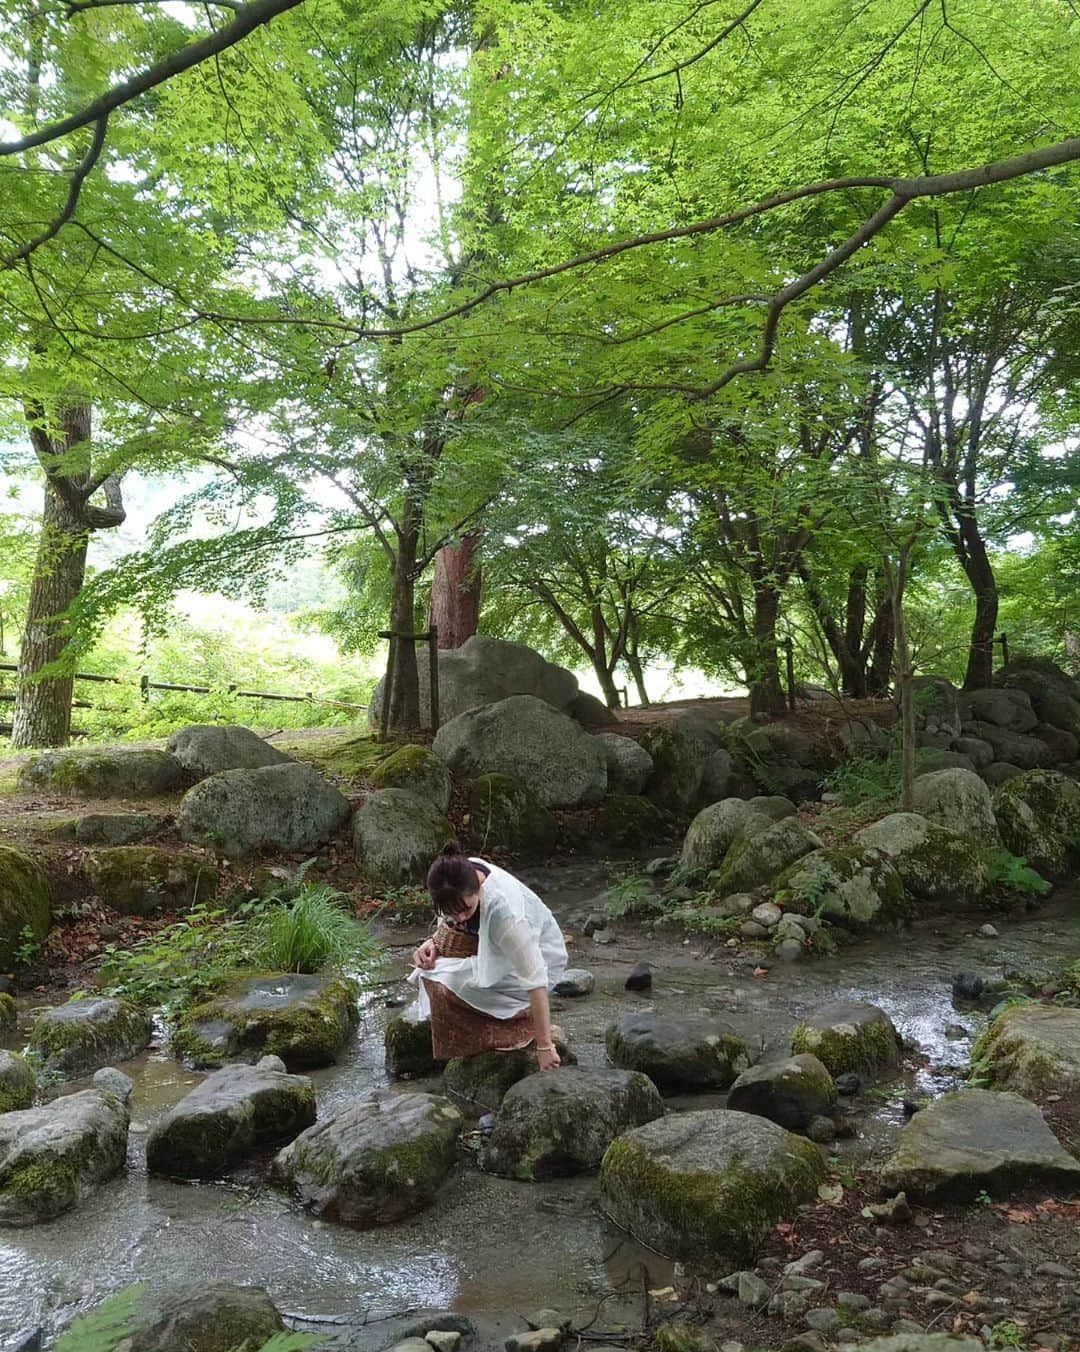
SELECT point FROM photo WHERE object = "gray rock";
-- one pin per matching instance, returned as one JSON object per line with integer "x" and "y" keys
{"x": 482, "y": 1082}
{"x": 707, "y": 1187}
{"x": 929, "y": 759}
{"x": 25, "y": 904}
{"x": 409, "y": 1052}
{"x": 484, "y": 670}
{"x": 222, "y": 1121}
{"x": 935, "y": 863}
{"x": 852, "y": 885}
{"x": 417, "y": 770}
{"x": 54, "y": 1156}
{"x": 536, "y": 1340}
{"x": 959, "y": 800}
{"x": 790, "y": 950}
{"x": 115, "y": 772}
{"x": 937, "y": 708}
{"x": 1033, "y": 1049}
{"x": 1000, "y": 772}
{"x": 978, "y": 1140}
{"x": 752, "y": 1291}
{"x": 853, "y": 1300}
{"x": 306, "y": 1020}
{"x": 282, "y": 807}
{"x": 561, "y": 1122}
{"x": 524, "y": 737}
{"x": 148, "y": 879}
{"x": 862, "y": 737}
{"x": 849, "y": 1036}
{"x": 774, "y": 806}
{"x": 114, "y": 1081}
{"x": 629, "y": 765}
{"x": 1009, "y": 709}
{"x": 809, "y": 1261}
{"x": 715, "y": 827}
{"x": 751, "y": 929}
{"x": 1062, "y": 747}
{"x": 396, "y": 835}
{"x": 757, "y": 857}
{"x": 1038, "y": 815}
{"x": 767, "y": 914}
{"x": 207, "y": 1316}
{"x": 1015, "y": 747}
{"x": 681, "y": 749}
{"x": 678, "y": 1051}
{"x": 505, "y": 815}
{"x": 116, "y": 828}
{"x": 575, "y": 982}
{"x": 821, "y": 1129}
{"x": 977, "y": 751}
{"x": 824, "y": 1320}
{"x": 82, "y": 1036}
{"x": 791, "y": 1092}
{"x": 376, "y": 1161}
{"x": 716, "y": 776}
{"x": 207, "y": 749}
{"x": 18, "y": 1084}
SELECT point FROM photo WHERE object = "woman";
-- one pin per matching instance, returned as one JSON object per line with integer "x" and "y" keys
{"x": 484, "y": 974}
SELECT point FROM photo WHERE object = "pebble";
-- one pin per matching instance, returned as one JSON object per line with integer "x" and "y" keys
{"x": 640, "y": 979}
{"x": 789, "y": 950}
{"x": 870, "y": 1264}
{"x": 896, "y": 1211}
{"x": 797, "y": 1282}
{"x": 876, "y": 1318}
{"x": 987, "y": 932}
{"x": 751, "y": 1290}
{"x": 574, "y": 982}
{"x": 847, "y": 1083}
{"x": 807, "y": 1262}
{"x": 1054, "y": 1270}
{"x": 824, "y": 1319}
{"x": 933, "y": 1297}
{"x": 443, "y": 1340}
{"x": 750, "y": 929}
{"x": 270, "y": 1062}
{"x": 853, "y": 1300}
{"x": 767, "y": 914}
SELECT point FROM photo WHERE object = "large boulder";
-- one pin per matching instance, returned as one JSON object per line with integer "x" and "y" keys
{"x": 959, "y": 800}
{"x": 791, "y": 1092}
{"x": 1009, "y": 709}
{"x": 712, "y": 832}
{"x": 484, "y": 671}
{"x": 849, "y": 1036}
{"x": 525, "y": 737}
{"x": 505, "y": 815}
{"x": 75, "y": 1039}
{"x": 124, "y": 772}
{"x": 783, "y": 760}
{"x": 1038, "y": 815}
{"x": 707, "y": 1187}
{"x": 480, "y": 1083}
{"x": 1062, "y": 747}
{"x": 1033, "y": 1049}
{"x": 591, "y": 712}
{"x": 680, "y": 750}
{"x": 396, "y": 835}
{"x": 561, "y": 1122}
{"x": 117, "y": 828}
{"x": 417, "y": 770}
{"x": 279, "y": 807}
{"x": 848, "y": 883}
{"x": 306, "y": 1020}
{"x": 629, "y": 765}
{"x": 1055, "y": 696}
{"x": 934, "y": 862}
{"x": 678, "y": 1052}
{"x": 233, "y": 1112}
{"x": 937, "y": 707}
{"x": 630, "y": 821}
{"x": 756, "y": 857}
{"x": 376, "y": 1161}
{"x": 198, "y": 1317}
{"x": 18, "y": 1083}
{"x": 1016, "y": 748}
{"x": 208, "y": 748}
{"x": 978, "y": 1140}
{"x": 146, "y": 879}
{"x": 53, "y": 1156}
{"x": 24, "y": 903}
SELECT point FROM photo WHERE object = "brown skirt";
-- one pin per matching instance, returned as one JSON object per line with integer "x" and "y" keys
{"x": 459, "y": 1030}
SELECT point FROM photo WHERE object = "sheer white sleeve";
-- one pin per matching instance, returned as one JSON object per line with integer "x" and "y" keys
{"x": 516, "y": 941}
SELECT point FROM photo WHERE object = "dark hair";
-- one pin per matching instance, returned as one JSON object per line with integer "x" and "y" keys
{"x": 451, "y": 879}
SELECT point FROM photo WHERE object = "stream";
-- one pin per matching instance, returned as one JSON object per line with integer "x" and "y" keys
{"x": 490, "y": 1244}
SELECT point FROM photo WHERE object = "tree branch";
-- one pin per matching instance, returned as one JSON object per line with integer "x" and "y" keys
{"x": 78, "y": 178}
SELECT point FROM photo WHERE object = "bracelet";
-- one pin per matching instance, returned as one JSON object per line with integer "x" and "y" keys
{"x": 544, "y": 1049}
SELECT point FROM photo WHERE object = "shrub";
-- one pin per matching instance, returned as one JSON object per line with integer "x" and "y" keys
{"x": 313, "y": 932}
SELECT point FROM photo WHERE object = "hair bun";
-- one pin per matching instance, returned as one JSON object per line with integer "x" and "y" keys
{"x": 451, "y": 849}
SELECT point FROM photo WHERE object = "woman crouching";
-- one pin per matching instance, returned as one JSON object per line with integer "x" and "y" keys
{"x": 484, "y": 974}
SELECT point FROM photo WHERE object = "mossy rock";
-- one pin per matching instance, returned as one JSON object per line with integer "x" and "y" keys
{"x": 505, "y": 815}
{"x": 708, "y": 1187}
{"x": 375, "y": 1162}
{"x": 934, "y": 862}
{"x": 306, "y": 1020}
{"x": 25, "y": 904}
{"x": 9, "y": 1013}
{"x": 960, "y": 800}
{"x": 396, "y": 834}
{"x": 1038, "y": 815}
{"x": 714, "y": 829}
{"x": 1033, "y": 1049}
{"x": 420, "y": 771}
{"x": 73, "y": 1040}
{"x": 123, "y": 772}
{"x": 146, "y": 879}
{"x": 115, "y": 828}
{"x": 480, "y": 1083}
{"x": 756, "y": 856}
{"x": 678, "y": 1052}
{"x": 409, "y": 1054}
{"x": 202, "y": 1317}
{"x": 790, "y": 1093}
{"x": 18, "y": 1083}
{"x": 855, "y": 886}
{"x": 850, "y": 1036}
{"x": 678, "y": 766}
{"x": 629, "y": 821}
{"x": 342, "y": 754}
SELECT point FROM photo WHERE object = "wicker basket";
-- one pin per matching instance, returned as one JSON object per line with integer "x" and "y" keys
{"x": 453, "y": 943}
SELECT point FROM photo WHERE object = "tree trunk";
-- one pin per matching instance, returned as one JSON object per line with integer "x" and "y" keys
{"x": 766, "y": 691}
{"x": 404, "y": 689}
{"x": 882, "y": 644}
{"x": 456, "y": 592}
{"x": 905, "y": 679}
{"x": 980, "y": 573}
{"x": 848, "y": 654}
{"x": 42, "y": 714}
{"x": 633, "y": 663}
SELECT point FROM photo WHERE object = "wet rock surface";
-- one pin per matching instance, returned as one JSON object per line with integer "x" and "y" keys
{"x": 678, "y": 1052}
{"x": 75, "y": 1039}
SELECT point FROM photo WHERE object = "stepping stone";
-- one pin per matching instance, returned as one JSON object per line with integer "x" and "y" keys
{"x": 17, "y": 1082}
{"x": 978, "y": 1140}
{"x": 1033, "y": 1049}
{"x": 375, "y": 1162}
{"x": 480, "y": 1083}
{"x": 575, "y": 982}
{"x": 678, "y": 1051}
{"x": 408, "y": 1048}
{"x": 850, "y": 1036}
{"x": 306, "y": 1020}
{"x": 54, "y": 1156}
{"x": 791, "y": 1092}
{"x": 707, "y": 1187}
{"x": 208, "y": 1316}
{"x": 82, "y": 1036}
{"x": 561, "y": 1122}
{"x": 233, "y": 1113}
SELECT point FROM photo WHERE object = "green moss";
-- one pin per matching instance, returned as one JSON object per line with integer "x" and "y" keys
{"x": 505, "y": 814}
{"x": 408, "y": 1048}
{"x": 343, "y": 754}
{"x": 54, "y": 1180}
{"x": 868, "y": 1049}
{"x": 72, "y": 1047}
{"x": 8, "y": 1012}
{"x": 18, "y": 1083}
{"x": 627, "y": 820}
{"x": 420, "y": 771}
{"x": 677, "y": 767}
{"x": 103, "y": 772}
{"x": 25, "y": 903}
{"x": 145, "y": 879}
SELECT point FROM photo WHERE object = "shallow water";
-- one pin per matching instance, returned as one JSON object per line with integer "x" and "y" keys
{"x": 490, "y": 1244}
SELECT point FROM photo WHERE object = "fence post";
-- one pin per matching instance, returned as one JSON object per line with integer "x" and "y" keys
{"x": 388, "y": 685}
{"x": 789, "y": 654}
{"x": 433, "y": 675}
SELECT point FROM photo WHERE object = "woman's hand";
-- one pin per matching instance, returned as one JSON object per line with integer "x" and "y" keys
{"x": 424, "y": 957}
{"x": 547, "y": 1058}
